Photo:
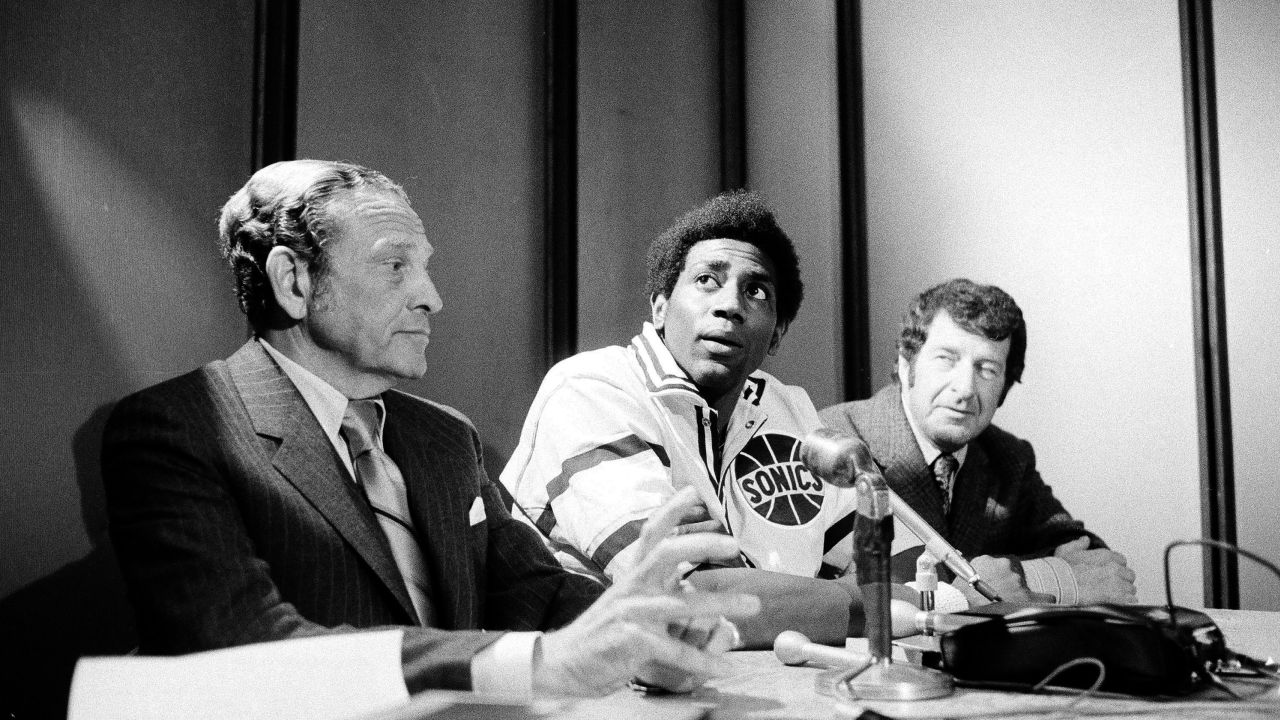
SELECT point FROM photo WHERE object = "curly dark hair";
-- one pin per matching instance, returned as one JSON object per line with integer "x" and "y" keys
{"x": 984, "y": 310}
{"x": 735, "y": 215}
{"x": 286, "y": 203}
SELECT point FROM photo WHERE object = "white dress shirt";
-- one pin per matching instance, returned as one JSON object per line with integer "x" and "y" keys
{"x": 504, "y": 667}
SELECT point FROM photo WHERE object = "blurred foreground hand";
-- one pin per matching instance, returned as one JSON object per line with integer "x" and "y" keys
{"x": 650, "y": 625}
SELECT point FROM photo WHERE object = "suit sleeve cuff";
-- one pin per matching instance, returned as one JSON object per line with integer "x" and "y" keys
{"x": 506, "y": 666}
{"x": 1052, "y": 575}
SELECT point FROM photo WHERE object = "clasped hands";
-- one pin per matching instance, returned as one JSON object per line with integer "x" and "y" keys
{"x": 649, "y": 625}
{"x": 1101, "y": 575}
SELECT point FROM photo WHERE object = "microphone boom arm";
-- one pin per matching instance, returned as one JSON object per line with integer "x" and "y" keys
{"x": 843, "y": 460}
{"x": 941, "y": 549}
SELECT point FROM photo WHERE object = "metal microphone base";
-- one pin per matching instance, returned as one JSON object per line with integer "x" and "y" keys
{"x": 885, "y": 681}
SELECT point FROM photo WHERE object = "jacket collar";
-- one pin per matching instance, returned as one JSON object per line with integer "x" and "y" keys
{"x": 662, "y": 374}
{"x": 894, "y": 447}
{"x": 307, "y": 459}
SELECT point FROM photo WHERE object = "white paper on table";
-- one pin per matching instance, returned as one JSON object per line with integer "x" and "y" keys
{"x": 328, "y": 676}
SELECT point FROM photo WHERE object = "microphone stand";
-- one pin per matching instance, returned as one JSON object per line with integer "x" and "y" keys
{"x": 873, "y": 540}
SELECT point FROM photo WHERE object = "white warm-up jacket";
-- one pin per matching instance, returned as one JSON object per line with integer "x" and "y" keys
{"x": 613, "y": 433}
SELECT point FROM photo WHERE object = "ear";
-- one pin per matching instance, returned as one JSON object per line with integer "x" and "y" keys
{"x": 658, "y": 306}
{"x": 904, "y": 371}
{"x": 778, "y": 331}
{"x": 290, "y": 281}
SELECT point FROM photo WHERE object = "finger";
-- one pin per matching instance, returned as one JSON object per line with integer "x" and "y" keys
{"x": 669, "y": 679}
{"x": 724, "y": 637}
{"x": 711, "y": 526}
{"x": 1080, "y": 543}
{"x": 1128, "y": 595}
{"x": 685, "y": 659}
{"x": 697, "y": 513}
{"x": 660, "y": 568}
{"x": 1100, "y": 556}
{"x": 666, "y": 610}
{"x": 668, "y": 515}
{"x": 695, "y": 632}
{"x": 666, "y": 518}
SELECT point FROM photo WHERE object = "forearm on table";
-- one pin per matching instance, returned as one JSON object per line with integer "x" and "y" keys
{"x": 820, "y": 609}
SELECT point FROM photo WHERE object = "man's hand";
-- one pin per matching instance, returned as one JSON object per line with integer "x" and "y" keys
{"x": 694, "y": 518}
{"x": 1003, "y": 576}
{"x": 1103, "y": 575}
{"x": 649, "y": 624}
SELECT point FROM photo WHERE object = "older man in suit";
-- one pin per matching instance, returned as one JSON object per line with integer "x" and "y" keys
{"x": 289, "y": 491}
{"x": 962, "y": 347}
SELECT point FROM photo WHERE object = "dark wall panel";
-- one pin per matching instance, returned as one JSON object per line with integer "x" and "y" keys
{"x": 648, "y": 146}
{"x": 446, "y": 98}
{"x": 1247, "y": 57}
{"x": 125, "y": 127}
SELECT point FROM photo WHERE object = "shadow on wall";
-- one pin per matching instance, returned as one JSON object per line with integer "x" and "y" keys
{"x": 80, "y": 609}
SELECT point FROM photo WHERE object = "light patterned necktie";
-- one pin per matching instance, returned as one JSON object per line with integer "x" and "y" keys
{"x": 384, "y": 487}
{"x": 944, "y": 470}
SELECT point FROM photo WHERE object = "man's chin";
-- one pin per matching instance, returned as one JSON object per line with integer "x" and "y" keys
{"x": 407, "y": 371}
{"x": 715, "y": 385}
{"x": 950, "y": 438}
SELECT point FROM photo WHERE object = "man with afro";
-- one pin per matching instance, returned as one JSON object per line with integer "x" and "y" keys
{"x": 614, "y": 432}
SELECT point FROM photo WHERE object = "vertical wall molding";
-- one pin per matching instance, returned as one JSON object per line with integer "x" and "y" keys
{"x": 1213, "y": 397}
{"x": 275, "y": 81}
{"x": 856, "y": 337}
{"x": 561, "y": 191}
{"x": 733, "y": 95}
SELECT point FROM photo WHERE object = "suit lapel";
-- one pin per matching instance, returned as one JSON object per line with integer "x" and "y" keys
{"x": 894, "y": 447}
{"x": 969, "y": 521}
{"x": 439, "y": 506}
{"x": 306, "y": 458}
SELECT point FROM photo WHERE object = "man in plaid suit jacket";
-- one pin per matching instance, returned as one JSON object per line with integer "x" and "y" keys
{"x": 961, "y": 348}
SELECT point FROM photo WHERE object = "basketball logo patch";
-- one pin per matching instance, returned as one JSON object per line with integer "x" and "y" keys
{"x": 773, "y": 481}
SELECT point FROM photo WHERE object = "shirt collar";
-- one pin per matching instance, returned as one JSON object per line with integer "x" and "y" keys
{"x": 662, "y": 374}
{"x": 323, "y": 399}
{"x": 927, "y": 448}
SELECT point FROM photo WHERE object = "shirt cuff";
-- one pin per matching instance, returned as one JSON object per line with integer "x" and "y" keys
{"x": 1052, "y": 575}
{"x": 505, "y": 667}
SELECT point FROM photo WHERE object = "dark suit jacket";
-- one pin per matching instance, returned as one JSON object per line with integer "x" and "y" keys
{"x": 999, "y": 504}
{"x": 235, "y": 521}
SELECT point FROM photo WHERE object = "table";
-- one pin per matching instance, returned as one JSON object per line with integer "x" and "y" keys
{"x": 762, "y": 687}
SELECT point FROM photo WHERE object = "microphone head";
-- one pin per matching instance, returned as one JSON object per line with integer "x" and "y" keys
{"x": 789, "y": 647}
{"x": 832, "y": 456}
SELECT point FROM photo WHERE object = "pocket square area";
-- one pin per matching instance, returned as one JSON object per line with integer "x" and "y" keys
{"x": 477, "y": 511}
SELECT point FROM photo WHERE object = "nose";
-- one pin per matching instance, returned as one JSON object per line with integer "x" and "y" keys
{"x": 963, "y": 381}
{"x": 728, "y": 304}
{"x": 426, "y": 296}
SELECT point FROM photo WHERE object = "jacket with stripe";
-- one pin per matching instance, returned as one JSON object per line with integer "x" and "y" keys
{"x": 615, "y": 432}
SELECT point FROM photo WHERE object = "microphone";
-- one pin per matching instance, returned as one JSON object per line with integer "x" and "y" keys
{"x": 835, "y": 457}
{"x": 845, "y": 461}
{"x": 793, "y": 648}
{"x": 841, "y": 459}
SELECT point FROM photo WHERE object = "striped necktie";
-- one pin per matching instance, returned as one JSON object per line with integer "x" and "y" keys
{"x": 944, "y": 470}
{"x": 384, "y": 487}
